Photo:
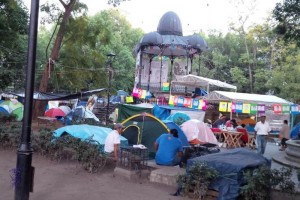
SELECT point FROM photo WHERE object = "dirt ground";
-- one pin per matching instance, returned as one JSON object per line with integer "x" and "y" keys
{"x": 68, "y": 181}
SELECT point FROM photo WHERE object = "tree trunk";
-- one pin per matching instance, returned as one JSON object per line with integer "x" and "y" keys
{"x": 39, "y": 107}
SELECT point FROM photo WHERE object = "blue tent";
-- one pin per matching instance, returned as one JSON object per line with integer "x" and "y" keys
{"x": 85, "y": 131}
{"x": 181, "y": 135}
{"x": 179, "y": 117}
{"x": 3, "y": 111}
{"x": 295, "y": 131}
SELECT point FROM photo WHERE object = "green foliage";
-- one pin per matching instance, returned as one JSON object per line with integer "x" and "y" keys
{"x": 13, "y": 42}
{"x": 88, "y": 153}
{"x": 260, "y": 181}
{"x": 287, "y": 15}
{"x": 196, "y": 181}
{"x": 83, "y": 57}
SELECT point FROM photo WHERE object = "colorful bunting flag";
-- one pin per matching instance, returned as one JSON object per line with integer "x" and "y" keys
{"x": 180, "y": 101}
{"x": 204, "y": 104}
{"x": 294, "y": 109}
{"x": 261, "y": 108}
{"x": 222, "y": 106}
{"x": 175, "y": 100}
{"x": 195, "y": 103}
{"x": 171, "y": 100}
{"x": 277, "y": 108}
{"x": 238, "y": 107}
{"x": 129, "y": 99}
{"x": 285, "y": 108}
{"x": 187, "y": 102}
{"x": 229, "y": 104}
{"x": 166, "y": 86}
{"x": 253, "y": 108}
{"x": 246, "y": 108}
{"x": 233, "y": 107}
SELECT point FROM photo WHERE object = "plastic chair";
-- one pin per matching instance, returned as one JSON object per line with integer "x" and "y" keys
{"x": 248, "y": 140}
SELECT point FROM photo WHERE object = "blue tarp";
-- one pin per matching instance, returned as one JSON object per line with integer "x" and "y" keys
{"x": 163, "y": 111}
{"x": 295, "y": 131}
{"x": 179, "y": 116}
{"x": 230, "y": 166}
{"x": 181, "y": 135}
{"x": 85, "y": 131}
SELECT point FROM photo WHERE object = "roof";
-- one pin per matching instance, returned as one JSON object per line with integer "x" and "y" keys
{"x": 198, "y": 81}
{"x": 245, "y": 97}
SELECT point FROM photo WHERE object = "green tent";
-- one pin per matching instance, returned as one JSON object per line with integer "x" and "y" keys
{"x": 125, "y": 111}
{"x": 149, "y": 129}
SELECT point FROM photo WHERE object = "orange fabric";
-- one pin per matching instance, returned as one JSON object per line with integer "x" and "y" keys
{"x": 196, "y": 141}
{"x": 245, "y": 136}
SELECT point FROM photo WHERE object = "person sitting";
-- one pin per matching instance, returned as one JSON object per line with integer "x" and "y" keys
{"x": 219, "y": 122}
{"x": 284, "y": 134}
{"x": 242, "y": 129}
{"x": 168, "y": 148}
{"x": 112, "y": 141}
{"x": 231, "y": 124}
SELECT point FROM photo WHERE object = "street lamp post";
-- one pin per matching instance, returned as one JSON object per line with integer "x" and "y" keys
{"x": 24, "y": 171}
{"x": 110, "y": 57}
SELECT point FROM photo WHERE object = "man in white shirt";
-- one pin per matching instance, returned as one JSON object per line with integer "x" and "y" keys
{"x": 262, "y": 130}
{"x": 113, "y": 141}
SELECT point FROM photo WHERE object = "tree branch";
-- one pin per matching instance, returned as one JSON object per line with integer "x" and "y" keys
{"x": 63, "y": 3}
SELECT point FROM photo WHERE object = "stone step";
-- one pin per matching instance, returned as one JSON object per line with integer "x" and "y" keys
{"x": 166, "y": 175}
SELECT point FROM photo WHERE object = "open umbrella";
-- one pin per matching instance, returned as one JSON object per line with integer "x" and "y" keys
{"x": 55, "y": 112}
{"x": 65, "y": 109}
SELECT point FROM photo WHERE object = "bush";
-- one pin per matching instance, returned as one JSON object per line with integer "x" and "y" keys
{"x": 88, "y": 153}
{"x": 196, "y": 181}
{"x": 260, "y": 182}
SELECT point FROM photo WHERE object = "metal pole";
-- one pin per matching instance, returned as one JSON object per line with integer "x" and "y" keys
{"x": 110, "y": 57}
{"x": 108, "y": 93}
{"x": 24, "y": 170}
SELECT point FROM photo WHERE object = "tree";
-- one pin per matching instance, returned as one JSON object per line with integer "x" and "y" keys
{"x": 13, "y": 38}
{"x": 287, "y": 14}
{"x": 62, "y": 18}
{"x": 82, "y": 59}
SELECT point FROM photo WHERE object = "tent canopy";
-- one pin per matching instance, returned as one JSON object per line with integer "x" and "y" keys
{"x": 198, "y": 81}
{"x": 150, "y": 129}
{"x": 245, "y": 97}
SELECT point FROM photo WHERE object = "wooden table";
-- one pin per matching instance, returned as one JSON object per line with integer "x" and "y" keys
{"x": 46, "y": 121}
{"x": 232, "y": 138}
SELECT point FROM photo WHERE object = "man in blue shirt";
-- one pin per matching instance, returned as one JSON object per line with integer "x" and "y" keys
{"x": 168, "y": 149}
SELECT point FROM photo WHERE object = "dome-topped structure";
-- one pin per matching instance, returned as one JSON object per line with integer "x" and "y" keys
{"x": 169, "y": 24}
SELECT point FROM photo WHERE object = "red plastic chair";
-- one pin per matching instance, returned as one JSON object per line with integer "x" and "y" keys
{"x": 245, "y": 137}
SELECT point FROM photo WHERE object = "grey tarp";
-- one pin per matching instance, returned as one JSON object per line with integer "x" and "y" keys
{"x": 230, "y": 164}
{"x": 42, "y": 96}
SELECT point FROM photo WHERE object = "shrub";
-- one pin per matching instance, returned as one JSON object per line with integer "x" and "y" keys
{"x": 260, "y": 181}
{"x": 196, "y": 181}
{"x": 88, "y": 153}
